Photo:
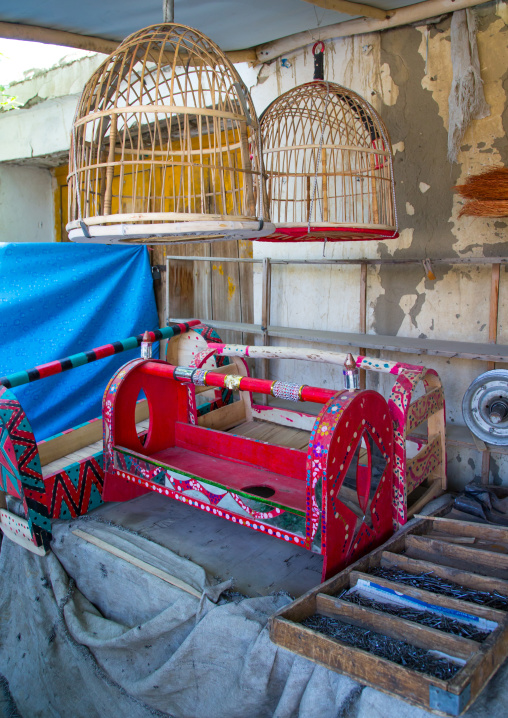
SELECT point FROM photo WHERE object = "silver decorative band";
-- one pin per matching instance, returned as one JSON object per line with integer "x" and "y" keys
{"x": 199, "y": 377}
{"x": 351, "y": 379}
{"x": 184, "y": 373}
{"x": 285, "y": 390}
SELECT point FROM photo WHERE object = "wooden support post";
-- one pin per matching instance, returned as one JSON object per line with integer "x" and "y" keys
{"x": 494, "y": 308}
{"x": 363, "y": 316}
{"x": 265, "y": 310}
{"x": 493, "y": 318}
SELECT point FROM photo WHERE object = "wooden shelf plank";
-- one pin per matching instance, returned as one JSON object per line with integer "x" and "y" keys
{"x": 452, "y": 261}
{"x": 461, "y": 577}
{"x": 432, "y": 347}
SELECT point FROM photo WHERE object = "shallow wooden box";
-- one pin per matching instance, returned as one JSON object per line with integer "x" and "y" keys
{"x": 472, "y": 555}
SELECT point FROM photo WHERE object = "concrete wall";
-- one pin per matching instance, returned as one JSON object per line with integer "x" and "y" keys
{"x": 26, "y": 204}
{"x": 39, "y": 132}
{"x": 410, "y": 89}
{"x": 33, "y": 139}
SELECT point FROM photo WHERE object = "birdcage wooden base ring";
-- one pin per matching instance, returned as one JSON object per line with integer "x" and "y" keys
{"x": 166, "y": 233}
{"x": 332, "y": 233}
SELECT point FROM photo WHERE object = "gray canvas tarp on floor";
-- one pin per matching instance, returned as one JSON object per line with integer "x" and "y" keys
{"x": 84, "y": 634}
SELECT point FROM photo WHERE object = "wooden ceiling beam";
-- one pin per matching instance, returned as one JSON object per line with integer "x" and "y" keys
{"x": 49, "y": 36}
{"x": 401, "y": 16}
{"x": 352, "y": 8}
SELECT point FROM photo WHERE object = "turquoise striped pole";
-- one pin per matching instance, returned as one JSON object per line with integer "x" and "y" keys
{"x": 59, "y": 365}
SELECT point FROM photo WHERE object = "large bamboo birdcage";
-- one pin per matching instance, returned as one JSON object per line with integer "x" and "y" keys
{"x": 165, "y": 145}
{"x": 329, "y": 167}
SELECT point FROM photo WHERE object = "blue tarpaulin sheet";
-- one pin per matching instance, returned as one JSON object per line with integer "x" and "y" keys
{"x": 60, "y": 299}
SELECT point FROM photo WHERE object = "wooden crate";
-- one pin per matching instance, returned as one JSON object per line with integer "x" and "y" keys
{"x": 472, "y": 555}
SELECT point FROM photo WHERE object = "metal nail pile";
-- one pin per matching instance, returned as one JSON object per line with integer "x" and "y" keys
{"x": 399, "y": 652}
{"x": 424, "y": 618}
{"x": 430, "y": 582}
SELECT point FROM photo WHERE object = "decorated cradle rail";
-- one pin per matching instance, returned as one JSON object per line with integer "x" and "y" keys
{"x": 333, "y": 498}
{"x": 415, "y": 402}
{"x": 60, "y": 477}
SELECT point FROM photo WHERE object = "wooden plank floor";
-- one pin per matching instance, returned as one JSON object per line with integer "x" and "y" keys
{"x": 273, "y": 434}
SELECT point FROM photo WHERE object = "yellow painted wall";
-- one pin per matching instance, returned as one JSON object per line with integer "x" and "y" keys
{"x": 182, "y": 182}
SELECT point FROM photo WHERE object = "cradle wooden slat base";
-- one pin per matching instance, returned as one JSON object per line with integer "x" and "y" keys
{"x": 481, "y": 564}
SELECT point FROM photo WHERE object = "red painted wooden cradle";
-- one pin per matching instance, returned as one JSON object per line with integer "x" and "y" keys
{"x": 334, "y": 498}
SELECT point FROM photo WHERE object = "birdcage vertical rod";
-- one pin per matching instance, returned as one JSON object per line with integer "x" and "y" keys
{"x": 375, "y": 209}
{"x": 125, "y": 133}
{"x": 249, "y": 189}
{"x": 111, "y": 168}
{"x": 218, "y": 132}
{"x": 325, "y": 185}
{"x": 201, "y": 157}
{"x": 230, "y": 161}
{"x": 100, "y": 174}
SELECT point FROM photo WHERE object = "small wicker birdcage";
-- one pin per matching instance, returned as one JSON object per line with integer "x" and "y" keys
{"x": 329, "y": 168}
{"x": 165, "y": 146}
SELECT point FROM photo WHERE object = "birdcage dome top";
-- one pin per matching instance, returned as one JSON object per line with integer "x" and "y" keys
{"x": 165, "y": 145}
{"x": 329, "y": 166}
{"x": 155, "y": 66}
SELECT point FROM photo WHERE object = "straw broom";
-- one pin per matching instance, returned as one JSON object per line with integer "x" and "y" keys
{"x": 485, "y": 208}
{"x": 487, "y": 193}
{"x": 491, "y": 184}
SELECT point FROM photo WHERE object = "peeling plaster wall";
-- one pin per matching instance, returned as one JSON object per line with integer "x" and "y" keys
{"x": 406, "y": 74}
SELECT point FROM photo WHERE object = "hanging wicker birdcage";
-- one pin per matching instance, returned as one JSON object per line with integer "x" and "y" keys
{"x": 329, "y": 168}
{"x": 165, "y": 146}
